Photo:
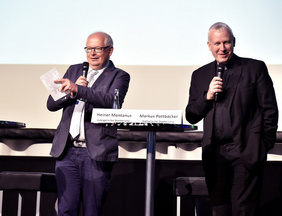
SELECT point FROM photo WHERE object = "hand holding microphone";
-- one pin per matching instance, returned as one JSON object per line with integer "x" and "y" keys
{"x": 82, "y": 80}
{"x": 215, "y": 86}
{"x": 220, "y": 70}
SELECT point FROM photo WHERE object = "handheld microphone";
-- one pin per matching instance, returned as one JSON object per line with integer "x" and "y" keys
{"x": 220, "y": 69}
{"x": 85, "y": 67}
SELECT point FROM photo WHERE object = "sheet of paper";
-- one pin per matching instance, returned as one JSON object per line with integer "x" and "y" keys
{"x": 53, "y": 88}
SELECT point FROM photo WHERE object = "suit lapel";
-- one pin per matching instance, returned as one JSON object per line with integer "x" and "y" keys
{"x": 211, "y": 72}
{"x": 237, "y": 72}
{"x": 107, "y": 73}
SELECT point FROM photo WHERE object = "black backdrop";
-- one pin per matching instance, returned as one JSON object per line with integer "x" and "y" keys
{"x": 127, "y": 190}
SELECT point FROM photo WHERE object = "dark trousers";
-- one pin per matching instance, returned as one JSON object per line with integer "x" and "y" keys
{"x": 234, "y": 190}
{"x": 80, "y": 178}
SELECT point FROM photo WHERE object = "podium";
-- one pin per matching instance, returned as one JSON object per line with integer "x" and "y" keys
{"x": 151, "y": 121}
{"x": 150, "y": 158}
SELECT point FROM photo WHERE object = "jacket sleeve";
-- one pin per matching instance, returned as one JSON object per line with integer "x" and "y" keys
{"x": 63, "y": 102}
{"x": 103, "y": 95}
{"x": 198, "y": 106}
{"x": 268, "y": 103}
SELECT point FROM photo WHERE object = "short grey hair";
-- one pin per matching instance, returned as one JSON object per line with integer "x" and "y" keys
{"x": 220, "y": 26}
{"x": 108, "y": 39}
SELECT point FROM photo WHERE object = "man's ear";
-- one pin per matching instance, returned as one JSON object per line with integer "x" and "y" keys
{"x": 209, "y": 45}
{"x": 111, "y": 50}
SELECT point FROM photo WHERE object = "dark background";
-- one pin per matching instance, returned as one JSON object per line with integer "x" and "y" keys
{"x": 127, "y": 190}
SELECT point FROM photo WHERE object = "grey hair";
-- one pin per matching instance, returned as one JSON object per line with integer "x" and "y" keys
{"x": 108, "y": 39}
{"x": 220, "y": 26}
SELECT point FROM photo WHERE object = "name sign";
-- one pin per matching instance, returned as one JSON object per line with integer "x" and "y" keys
{"x": 136, "y": 116}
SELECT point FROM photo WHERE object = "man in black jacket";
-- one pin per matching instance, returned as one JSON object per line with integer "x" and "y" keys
{"x": 240, "y": 121}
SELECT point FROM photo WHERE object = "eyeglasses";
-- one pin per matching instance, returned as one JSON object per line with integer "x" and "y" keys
{"x": 96, "y": 49}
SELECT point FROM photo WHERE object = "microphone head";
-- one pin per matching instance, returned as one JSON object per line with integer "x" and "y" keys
{"x": 85, "y": 67}
{"x": 220, "y": 67}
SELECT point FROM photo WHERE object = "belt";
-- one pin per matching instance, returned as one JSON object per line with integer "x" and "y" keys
{"x": 77, "y": 144}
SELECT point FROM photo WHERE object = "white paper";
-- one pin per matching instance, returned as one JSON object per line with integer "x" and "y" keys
{"x": 53, "y": 88}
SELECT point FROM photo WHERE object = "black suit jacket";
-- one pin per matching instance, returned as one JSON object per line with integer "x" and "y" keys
{"x": 253, "y": 108}
{"x": 101, "y": 141}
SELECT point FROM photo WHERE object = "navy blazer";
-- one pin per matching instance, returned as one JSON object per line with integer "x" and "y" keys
{"x": 101, "y": 141}
{"x": 253, "y": 108}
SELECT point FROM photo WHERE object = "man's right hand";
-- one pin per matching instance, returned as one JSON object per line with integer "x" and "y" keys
{"x": 215, "y": 86}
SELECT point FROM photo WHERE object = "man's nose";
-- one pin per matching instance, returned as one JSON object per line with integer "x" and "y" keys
{"x": 222, "y": 46}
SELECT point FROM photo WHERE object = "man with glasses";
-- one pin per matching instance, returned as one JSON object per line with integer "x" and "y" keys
{"x": 236, "y": 99}
{"x": 85, "y": 152}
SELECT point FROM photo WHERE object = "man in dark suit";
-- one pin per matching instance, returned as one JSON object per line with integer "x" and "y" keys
{"x": 85, "y": 152}
{"x": 240, "y": 121}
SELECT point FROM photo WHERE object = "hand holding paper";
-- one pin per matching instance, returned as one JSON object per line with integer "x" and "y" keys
{"x": 53, "y": 88}
{"x": 67, "y": 85}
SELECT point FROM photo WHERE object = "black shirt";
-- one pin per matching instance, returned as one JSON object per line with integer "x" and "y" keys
{"x": 222, "y": 121}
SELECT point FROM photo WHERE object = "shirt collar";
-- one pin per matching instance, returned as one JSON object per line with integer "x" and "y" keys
{"x": 100, "y": 70}
{"x": 231, "y": 62}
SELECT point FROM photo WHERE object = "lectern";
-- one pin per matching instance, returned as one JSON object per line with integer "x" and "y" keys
{"x": 150, "y": 159}
{"x": 151, "y": 121}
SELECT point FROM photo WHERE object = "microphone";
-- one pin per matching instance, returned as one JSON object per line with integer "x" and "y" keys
{"x": 85, "y": 67}
{"x": 220, "y": 69}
